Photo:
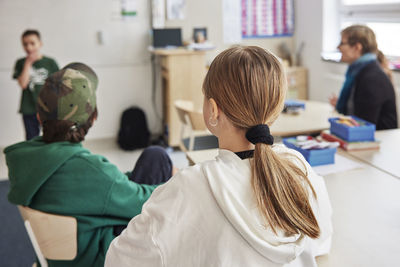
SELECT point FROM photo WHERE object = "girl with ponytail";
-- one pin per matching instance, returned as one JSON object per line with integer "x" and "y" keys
{"x": 256, "y": 204}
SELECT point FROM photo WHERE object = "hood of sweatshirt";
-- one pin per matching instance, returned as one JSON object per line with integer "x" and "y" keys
{"x": 32, "y": 163}
{"x": 228, "y": 177}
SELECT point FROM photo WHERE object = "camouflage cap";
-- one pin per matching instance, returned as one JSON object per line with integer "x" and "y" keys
{"x": 69, "y": 94}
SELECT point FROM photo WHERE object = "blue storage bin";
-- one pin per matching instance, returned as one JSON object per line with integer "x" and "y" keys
{"x": 364, "y": 132}
{"x": 314, "y": 157}
{"x": 291, "y": 103}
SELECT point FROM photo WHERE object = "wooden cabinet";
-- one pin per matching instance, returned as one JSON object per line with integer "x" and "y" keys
{"x": 297, "y": 83}
{"x": 182, "y": 75}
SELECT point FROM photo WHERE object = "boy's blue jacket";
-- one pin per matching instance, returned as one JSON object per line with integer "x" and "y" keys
{"x": 65, "y": 178}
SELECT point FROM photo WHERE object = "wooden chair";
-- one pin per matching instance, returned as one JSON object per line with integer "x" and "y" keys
{"x": 53, "y": 237}
{"x": 192, "y": 123}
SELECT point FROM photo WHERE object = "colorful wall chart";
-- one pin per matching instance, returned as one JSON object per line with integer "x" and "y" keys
{"x": 267, "y": 18}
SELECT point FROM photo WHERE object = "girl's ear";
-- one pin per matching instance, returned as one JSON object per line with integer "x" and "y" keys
{"x": 214, "y": 109}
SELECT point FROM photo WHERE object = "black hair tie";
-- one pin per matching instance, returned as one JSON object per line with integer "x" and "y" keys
{"x": 259, "y": 134}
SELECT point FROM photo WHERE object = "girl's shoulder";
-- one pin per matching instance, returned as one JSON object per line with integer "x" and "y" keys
{"x": 188, "y": 177}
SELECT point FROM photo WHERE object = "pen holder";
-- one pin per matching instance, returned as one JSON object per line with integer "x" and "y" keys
{"x": 364, "y": 132}
{"x": 314, "y": 157}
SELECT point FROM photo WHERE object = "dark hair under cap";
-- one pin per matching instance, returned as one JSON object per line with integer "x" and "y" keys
{"x": 31, "y": 32}
{"x": 260, "y": 134}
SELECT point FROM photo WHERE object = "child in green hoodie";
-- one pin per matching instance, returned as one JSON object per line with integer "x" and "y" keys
{"x": 55, "y": 174}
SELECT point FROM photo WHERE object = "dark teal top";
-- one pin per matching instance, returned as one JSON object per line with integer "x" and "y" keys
{"x": 41, "y": 69}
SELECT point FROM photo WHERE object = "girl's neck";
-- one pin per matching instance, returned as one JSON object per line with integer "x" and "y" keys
{"x": 234, "y": 141}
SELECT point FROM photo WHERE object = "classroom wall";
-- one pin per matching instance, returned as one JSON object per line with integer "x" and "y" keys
{"x": 325, "y": 77}
{"x": 69, "y": 29}
{"x": 208, "y": 13}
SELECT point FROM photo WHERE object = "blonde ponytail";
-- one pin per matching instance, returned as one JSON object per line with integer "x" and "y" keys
{"x": 281, "y": 196}
{"x": 249, "y": 85}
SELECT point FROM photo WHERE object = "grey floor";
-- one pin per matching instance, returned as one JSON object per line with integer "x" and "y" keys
{"x": 125, "y": 160}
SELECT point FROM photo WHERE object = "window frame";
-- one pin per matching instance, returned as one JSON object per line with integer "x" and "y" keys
{"x": 361, "y": 13}
{"x": 370, "y": 13}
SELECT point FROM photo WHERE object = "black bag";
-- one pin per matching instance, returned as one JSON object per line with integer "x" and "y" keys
{"x": 133, "y": 132}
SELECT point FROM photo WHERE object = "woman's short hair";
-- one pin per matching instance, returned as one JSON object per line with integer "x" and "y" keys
{"x": 361, "y": 34}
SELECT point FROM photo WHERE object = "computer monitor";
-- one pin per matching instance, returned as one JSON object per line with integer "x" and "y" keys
{"x": 167, "y": 37}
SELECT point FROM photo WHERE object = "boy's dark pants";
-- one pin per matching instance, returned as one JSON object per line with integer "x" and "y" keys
{"x": 153, "y": 167}
{"x": 32, "y": 126}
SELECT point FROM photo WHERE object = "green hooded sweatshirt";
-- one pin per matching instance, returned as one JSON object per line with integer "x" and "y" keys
{"x": 65, "y": 178}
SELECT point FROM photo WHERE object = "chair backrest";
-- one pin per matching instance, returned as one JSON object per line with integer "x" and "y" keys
{"x": 55, "y": 235}
{"x": 192, "y": 123}
{"x": 189, "y": 116}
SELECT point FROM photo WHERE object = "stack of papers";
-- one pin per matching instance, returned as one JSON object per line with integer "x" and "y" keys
{"x": 341, "y": 164}
{"x": 201, "y": 46}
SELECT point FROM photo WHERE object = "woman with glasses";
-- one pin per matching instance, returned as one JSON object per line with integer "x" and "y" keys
{"x": 367, "y": 91}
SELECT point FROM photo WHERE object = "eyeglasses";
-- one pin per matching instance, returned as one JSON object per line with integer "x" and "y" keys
{"x": 342, "y": 43}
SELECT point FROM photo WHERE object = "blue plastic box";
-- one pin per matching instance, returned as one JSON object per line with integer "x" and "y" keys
{"x": 353, "y": 134}
{"x": 314, "y": 157}
{"x": 291, "y": 103}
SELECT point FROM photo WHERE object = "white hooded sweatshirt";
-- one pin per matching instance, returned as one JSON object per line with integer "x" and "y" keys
{"x": 206, "y": 215}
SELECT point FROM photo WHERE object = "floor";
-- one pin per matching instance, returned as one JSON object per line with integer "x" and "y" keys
{"x": 15, "y": 247}
{"x": 124, "y": 160}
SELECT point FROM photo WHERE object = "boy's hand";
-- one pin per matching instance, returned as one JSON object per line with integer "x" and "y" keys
{"x": 31, "y": 58}
{"x": 333, "y": 100}
{"x": 23, "y": 79}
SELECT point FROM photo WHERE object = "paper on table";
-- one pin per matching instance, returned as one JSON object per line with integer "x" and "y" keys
{"x": 341, "y": 164}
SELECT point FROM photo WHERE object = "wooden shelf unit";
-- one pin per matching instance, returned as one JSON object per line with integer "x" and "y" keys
{"x": 297, "y": 83}
{"x": 182, "y": 74}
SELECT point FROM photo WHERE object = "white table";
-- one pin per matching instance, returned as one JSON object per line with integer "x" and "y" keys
{"x": 313, "y": 119}
{"x": 387, "y": 157}
{"x": 197, "y": 156}
{"x": 366, "y": 219}
{"x": 366, "y": 215}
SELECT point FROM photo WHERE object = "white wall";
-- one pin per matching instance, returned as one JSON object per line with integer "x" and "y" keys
{"x": 208, "y": 13}
{"x": 325, "y": 78}
{"x": 69, "y": 34}
{"x": 69, "y": 30}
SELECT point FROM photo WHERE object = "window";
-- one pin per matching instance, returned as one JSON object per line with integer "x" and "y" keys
{"x": 368, "y": 2}
{"x": 382, "y": 16}
{"x": 386, "y": 37}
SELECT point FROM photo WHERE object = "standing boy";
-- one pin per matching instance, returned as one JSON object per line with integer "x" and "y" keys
{"x": 31, "y": 72}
